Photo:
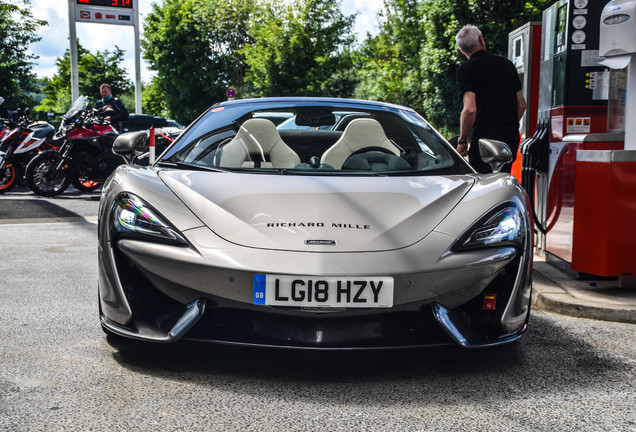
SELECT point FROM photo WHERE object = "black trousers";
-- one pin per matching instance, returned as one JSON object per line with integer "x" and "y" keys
{"x": 506, "y": 133}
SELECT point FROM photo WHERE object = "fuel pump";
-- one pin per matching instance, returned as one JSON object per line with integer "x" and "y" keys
{"x": 577, "y": 165}
{"x": 572, "y": 116}
{"x": 604, "y": 231}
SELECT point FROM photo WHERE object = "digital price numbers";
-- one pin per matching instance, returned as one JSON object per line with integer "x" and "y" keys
{"x": 128, "y": 4}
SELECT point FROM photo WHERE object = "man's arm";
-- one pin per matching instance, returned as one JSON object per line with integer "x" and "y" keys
{"x": 121, "y": 111}
{"x": 466, "y": 121}
{"x": 521, "y": 104}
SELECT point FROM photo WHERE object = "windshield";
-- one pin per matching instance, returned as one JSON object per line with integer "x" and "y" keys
{"x": 326, "y": 139}
{"x": 79, "y": 104}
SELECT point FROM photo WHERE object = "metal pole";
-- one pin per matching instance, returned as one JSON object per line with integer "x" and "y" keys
{"x": 74, "y": 56}
{"x": 630, "y": 108}
{"x": 138, "y": 108}
{"x": 151, "y": 146}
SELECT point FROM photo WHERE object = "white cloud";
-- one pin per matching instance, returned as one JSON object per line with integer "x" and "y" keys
{"x": 94, "y": 37}
{"x": 367, "y": 19}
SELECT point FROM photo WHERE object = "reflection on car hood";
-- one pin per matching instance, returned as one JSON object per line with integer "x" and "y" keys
{"x": 318, "y": 214}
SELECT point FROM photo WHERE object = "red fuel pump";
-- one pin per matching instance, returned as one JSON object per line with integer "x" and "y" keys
{"x": 572, "y": 115}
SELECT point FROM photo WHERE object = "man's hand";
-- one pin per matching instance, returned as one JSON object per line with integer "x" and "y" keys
{"x": 107, "y": 110}
{"x": 462, "y": 149}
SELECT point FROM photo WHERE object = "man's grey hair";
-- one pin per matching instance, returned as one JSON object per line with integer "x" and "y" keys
{"x": 468, "y": 38}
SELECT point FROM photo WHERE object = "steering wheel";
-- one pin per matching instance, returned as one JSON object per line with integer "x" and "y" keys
{"x": 375, "y": 159}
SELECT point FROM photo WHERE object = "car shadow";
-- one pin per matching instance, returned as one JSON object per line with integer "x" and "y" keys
{"x": 540, "y": 361}
{"x": 32, "y": 209}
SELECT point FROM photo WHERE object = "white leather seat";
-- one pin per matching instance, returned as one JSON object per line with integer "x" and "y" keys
{"x": 234, "y": 154}
{"x": 358, "y": 134}
{"x": 258, "y": 144}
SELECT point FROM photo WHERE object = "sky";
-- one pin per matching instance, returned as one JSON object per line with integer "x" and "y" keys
{"x": 102, "y": 37}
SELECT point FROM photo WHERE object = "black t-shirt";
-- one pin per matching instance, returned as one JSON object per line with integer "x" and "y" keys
{"x": 120, "y": 114}
{"x": 495, "y": 82}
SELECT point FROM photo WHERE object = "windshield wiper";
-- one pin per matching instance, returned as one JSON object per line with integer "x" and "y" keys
{"x": 187, "y": 165}
{"x": 166, "y": 164}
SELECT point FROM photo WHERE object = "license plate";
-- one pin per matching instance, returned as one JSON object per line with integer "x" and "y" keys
{"x": 303, "y": 291}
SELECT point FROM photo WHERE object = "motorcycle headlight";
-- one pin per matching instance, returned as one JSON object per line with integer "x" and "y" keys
{"x": 504, "y": 225}
{"x": 131, "y": 217}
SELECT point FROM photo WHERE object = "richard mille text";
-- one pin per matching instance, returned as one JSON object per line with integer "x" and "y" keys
{"x": 316, "y": 225}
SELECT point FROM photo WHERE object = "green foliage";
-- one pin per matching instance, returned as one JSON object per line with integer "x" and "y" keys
{"x": 299, "y": 48}
{"x": 389, "y": 62}
{"x": 200, "y": 48}
{"x": 93, "y": 70}
{"x": 17, "y": 31}
{"x": 413, "y": 59}
{"x": 152, "y": 101}
{"x": 225, "y": 24}
{"x": 192, "y": 45}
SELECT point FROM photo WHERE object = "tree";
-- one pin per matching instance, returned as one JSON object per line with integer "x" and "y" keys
{"x": 93, "y": 70}
{"x": 439, "y": 56}
{"x": 152, "y": 101}
{"x": 413, "y": 59}
{"x": 299, "y": 48}
{"x": 17, "y": 32}
{"x": 389, "y": 63}
{"x": 193, "y": 47}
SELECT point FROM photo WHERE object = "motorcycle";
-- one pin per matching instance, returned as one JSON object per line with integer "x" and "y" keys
{"x": 85, "y": 158}
{"x": 23, "y": 139}
{"x": 92, "y": 150}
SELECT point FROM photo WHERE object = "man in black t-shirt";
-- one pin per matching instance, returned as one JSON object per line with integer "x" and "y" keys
{"x": 493, "y": 98}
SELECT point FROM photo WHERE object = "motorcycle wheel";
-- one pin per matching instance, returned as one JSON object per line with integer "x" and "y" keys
{"x": 8, "y": 178}
{"x": 84, "y": 185}
{"x": 41, "y": 178}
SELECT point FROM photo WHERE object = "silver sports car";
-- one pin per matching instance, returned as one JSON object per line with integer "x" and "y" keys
{"x": 360, "y": 228}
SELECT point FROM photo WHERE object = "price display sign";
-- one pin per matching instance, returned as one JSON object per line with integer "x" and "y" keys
{"x": 127, "y": 4}
{"x": 116, "y": 12}
{"x": 120, "y": 12}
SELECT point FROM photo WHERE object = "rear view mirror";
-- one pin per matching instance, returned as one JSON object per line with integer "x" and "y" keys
{"x": 315, "y": 118}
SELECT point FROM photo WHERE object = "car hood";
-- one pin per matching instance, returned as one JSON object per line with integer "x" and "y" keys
{"x": 318, "y": 213}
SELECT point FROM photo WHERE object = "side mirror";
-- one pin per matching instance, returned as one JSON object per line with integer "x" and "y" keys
{"x": 495, "y": 153}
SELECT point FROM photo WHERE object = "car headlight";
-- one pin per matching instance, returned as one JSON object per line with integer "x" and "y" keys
{"x": 131, "y": 217}
{"x": 504, "y": 225}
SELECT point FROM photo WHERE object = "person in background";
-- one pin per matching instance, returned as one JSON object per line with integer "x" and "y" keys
{"x": 108, "y": 101}
{"x": 492, "y": 95}
{"x": 4, "y": 111}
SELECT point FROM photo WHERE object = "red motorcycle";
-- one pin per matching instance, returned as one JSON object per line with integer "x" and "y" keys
{"x": 85, "y": 159}
{"x": 22, "y": 139}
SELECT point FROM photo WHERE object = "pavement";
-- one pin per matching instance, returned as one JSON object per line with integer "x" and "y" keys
{"x": 602, "y": 299}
